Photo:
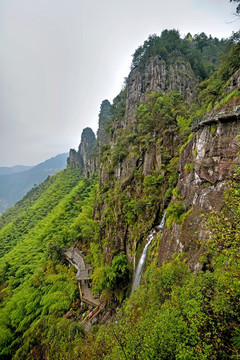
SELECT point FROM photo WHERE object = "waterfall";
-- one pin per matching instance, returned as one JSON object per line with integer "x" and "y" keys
{"x": 141, "y": 263}
{"x": 161, "y": 225}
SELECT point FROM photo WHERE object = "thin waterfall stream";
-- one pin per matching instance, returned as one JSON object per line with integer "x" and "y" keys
{"x": 141, "y": 263}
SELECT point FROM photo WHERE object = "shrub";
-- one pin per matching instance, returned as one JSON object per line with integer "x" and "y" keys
{"x": 184, "y": 125}
{"x": 188, "y": 167}
{"x": 111, "y": 277}
{"x": 174, "y": 212}
{"x": 120, "y": 151}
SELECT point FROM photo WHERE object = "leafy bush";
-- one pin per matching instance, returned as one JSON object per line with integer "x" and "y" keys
{"x": 112, "y": 277}
{"x": 174, "y": 212}
{"x": 133, "y": 209}
{"x": 152, "y": 183}
{"x": 119, "y": 151}
{"x": 184, "y": 125}
{"x": 188, "y": 167}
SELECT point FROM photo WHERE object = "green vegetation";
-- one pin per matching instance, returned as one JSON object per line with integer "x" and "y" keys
{"x": 213, "y": 87}
{"x": 176, "y": 212}
{"x": 14, "y": 186}
{"x": 184, "y": 125}
{"x": 185, "y": 144}
{"x": 114, "y": 277}
{"x": 232, "y": 95}
{"x": 37, "y": 288}
{"x": 201, "y": 51}
{"x": 39, "y": 202}
{"x": 175, "y": 313}
{"x": 188, "y": 167}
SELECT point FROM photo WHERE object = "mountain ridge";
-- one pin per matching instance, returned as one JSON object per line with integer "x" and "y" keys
{"x": 149, "y": 162}
{"x": 5, "y": 170}
{"x": 15, "y": 185}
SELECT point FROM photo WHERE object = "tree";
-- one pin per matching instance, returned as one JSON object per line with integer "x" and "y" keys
{"x": 238, "y": 6}
{"x": 202, "y": 40}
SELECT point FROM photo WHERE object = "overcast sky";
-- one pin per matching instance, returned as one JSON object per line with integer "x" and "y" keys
{"x": 59, "y": 59}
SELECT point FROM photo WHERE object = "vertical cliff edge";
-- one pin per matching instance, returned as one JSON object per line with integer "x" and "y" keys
{"x": 149, "y": 158}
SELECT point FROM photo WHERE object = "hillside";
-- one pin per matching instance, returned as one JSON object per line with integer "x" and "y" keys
{"x": 15, "y": 184}
{"x": 160, "y": 181}
{"x": 5, "y": 170}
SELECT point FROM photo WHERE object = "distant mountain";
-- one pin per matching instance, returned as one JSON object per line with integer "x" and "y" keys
{"x": 14, "y": 185}
{"x": 4, "y": 170}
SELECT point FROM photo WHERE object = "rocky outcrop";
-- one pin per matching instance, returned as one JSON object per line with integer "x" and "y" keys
{"x": 158, "y": 75}
{"x": 234, "y": 82}
{"x": 82, "y": 158}
{"x": 88, "y": 140}
{"x": 206, "y": 164}
{"x": 87, "y": 156}
{"x": 126, "y": 180}
{"x": 125, "y": 157}
{"x": 103, "y": 119}
{"x": 74, "y": 160}
{"x": 223, "y": 113}
{"x": 122, "y": 174}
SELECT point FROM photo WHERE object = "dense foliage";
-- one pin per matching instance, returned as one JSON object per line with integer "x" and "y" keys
{"x": 238, "y": 6}
{"x": 134, "y": 201}
{"x": 212, "y": 88}
{"x": 17, "y": 221}
{"x": 37, "y": 287}
{"x": 175, "y": 314}
{"x": 201, "y": 51}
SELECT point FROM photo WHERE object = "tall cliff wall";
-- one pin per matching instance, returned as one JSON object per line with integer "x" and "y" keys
{"x": 159, "y": 75}
{"x": 144, "y": 147}
{"x": 206, "y": 165}
{"x": 138, "y": 148}
{"x": 83, "y": 159}
{"x": 142, "y": 168}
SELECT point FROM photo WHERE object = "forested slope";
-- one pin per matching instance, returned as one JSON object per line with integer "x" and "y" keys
{"x": 150, "y": 160}
{"x": 37, "y": 286}
{"x": 14, "y": 186}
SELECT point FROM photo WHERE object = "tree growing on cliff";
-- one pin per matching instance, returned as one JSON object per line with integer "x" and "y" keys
{"x": 238, "y": 6}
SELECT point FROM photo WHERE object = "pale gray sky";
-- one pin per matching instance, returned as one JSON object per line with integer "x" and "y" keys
{"x": 60, "y": 58}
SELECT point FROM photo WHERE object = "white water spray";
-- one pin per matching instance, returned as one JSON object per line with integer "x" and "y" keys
{"x": 161, "y": 225}
{"x": 138, "y": 273}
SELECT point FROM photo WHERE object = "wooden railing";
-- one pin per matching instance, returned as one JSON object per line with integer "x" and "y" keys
{"x": 220, "y": 114}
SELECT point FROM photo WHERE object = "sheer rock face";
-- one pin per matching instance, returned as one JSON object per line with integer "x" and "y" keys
{"x": 80, "y": 159}
{"x": 88, "y": 140}
{"x": 86, "y": 147}
{"x": 158, "y": 76}
{"x": 74, "y": 160}
{"x": 87, "y": 156}
{"x": 234, "y": 82}
{"x": 213, "y": 154}
{"x": 120, "y": 234}
{"x": 103, "y": 119}
{"x": 91, "y": 165}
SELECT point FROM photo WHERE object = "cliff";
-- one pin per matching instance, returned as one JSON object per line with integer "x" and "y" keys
{"x": 141, "y": 164}
{"x": 82, "y": 159}
{"x": 167, "y": 149}
{"x": 175, "y": 74}
{"x": 206, "y": 165}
